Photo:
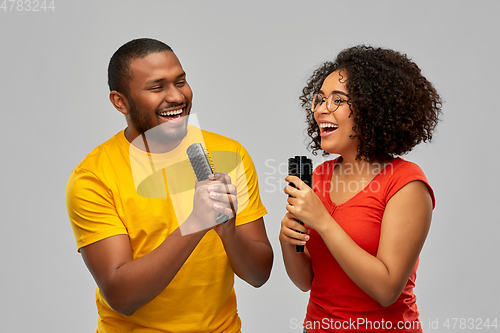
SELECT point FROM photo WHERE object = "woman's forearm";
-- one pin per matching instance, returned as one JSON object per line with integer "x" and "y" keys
{"x": 298, "y": 266}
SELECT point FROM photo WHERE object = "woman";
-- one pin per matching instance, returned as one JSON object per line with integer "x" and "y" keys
{"x": 368, "y": 214}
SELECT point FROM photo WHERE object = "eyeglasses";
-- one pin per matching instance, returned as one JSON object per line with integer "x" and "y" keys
{"x": 332, "y": 102}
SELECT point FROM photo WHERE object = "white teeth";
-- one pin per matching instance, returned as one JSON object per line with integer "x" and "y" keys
{"x": 171, "y": 113}
{"x": 325, "y": 125}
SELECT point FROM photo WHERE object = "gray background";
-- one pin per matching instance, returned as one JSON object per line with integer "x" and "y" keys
{"x": 246, "y": 63}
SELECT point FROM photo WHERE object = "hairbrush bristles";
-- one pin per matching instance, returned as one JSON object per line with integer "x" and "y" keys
{"x": 209, "y": 157}
{"x": 301, "y": 166}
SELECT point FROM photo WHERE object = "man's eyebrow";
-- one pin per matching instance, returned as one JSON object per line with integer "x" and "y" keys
{"x": 153, "y": 81}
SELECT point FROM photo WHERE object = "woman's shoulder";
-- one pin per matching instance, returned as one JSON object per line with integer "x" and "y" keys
{"x": 400, "y": 172}
{"x": 401, "y": 167}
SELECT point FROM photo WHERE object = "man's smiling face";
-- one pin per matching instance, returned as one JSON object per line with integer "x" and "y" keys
{"x": 158, "y": 95}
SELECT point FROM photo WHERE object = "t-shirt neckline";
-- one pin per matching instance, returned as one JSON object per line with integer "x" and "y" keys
{"x": 365, "y": 189}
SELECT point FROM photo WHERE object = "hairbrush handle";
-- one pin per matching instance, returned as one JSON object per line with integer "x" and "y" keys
{"x": 300, "y": 166}
{"x": 203, "y": 169}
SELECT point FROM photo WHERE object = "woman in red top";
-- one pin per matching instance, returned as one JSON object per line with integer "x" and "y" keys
{"x": 368, "y": 213}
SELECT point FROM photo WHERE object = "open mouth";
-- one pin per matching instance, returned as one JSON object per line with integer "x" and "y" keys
{"x": 328, "y": 127}
{"x": 171, "y": 115}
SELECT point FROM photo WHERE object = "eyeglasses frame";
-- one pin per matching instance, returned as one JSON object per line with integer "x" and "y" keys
{"x": 323, "y": 99}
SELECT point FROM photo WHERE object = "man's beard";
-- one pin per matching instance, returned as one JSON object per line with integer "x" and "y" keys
{"x": 144, "y": 125}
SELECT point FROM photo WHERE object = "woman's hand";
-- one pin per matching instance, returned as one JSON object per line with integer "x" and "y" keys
{"x": 292, "y": 232}
{"x": 305, "y": 205}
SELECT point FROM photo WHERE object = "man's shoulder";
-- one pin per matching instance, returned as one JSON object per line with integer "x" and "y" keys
{"x": 106, "y": 151}
{"x": 221, "y": 142}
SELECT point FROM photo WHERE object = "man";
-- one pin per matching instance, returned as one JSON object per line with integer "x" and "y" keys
{"x": 151, "y": 273}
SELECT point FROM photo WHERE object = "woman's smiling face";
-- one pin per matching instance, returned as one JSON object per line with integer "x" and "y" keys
{"x": 336, "y": 128}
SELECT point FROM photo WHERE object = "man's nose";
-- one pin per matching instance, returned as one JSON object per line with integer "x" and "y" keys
{"x": 173, "y": 95}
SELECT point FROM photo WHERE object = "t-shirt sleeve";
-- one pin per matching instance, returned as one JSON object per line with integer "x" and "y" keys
{"x": 91, "y": 209}
{"x": 403, "y": 174}
{"x": 247, "y": 177}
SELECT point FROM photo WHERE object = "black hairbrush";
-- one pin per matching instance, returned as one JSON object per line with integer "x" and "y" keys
{"x": 302, "y": 167}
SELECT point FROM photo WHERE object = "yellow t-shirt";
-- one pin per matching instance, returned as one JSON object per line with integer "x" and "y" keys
{"x": 120, "y": 189}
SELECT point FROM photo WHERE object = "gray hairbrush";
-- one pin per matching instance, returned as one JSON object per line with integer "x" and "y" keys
{"x": 203, "y": 168}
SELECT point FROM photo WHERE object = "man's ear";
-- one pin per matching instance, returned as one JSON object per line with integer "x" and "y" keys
{"x": 119, "y": 101}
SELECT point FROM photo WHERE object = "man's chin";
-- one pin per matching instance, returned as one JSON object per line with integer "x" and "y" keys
{"x": 164, "y": 134}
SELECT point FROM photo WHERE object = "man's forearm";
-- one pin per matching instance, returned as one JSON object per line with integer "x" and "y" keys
{"x": 250, "y": 257}
{"x": 135, "y": 283}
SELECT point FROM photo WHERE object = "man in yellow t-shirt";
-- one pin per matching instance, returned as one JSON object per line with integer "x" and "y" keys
{"x": 146, "y": 228}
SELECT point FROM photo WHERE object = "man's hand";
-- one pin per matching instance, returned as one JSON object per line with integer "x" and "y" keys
{"x": 212, "y": 196}
{"x": 225, "y": 194}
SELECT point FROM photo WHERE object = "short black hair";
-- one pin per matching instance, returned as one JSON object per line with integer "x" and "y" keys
{"x": 394, "y": 106}
{"x": 119, "y": 65}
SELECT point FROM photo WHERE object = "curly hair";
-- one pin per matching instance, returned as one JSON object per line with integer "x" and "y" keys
{"x": 393, "y": 105}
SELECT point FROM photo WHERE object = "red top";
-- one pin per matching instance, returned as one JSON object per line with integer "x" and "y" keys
{"x": 336, "y": 304}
